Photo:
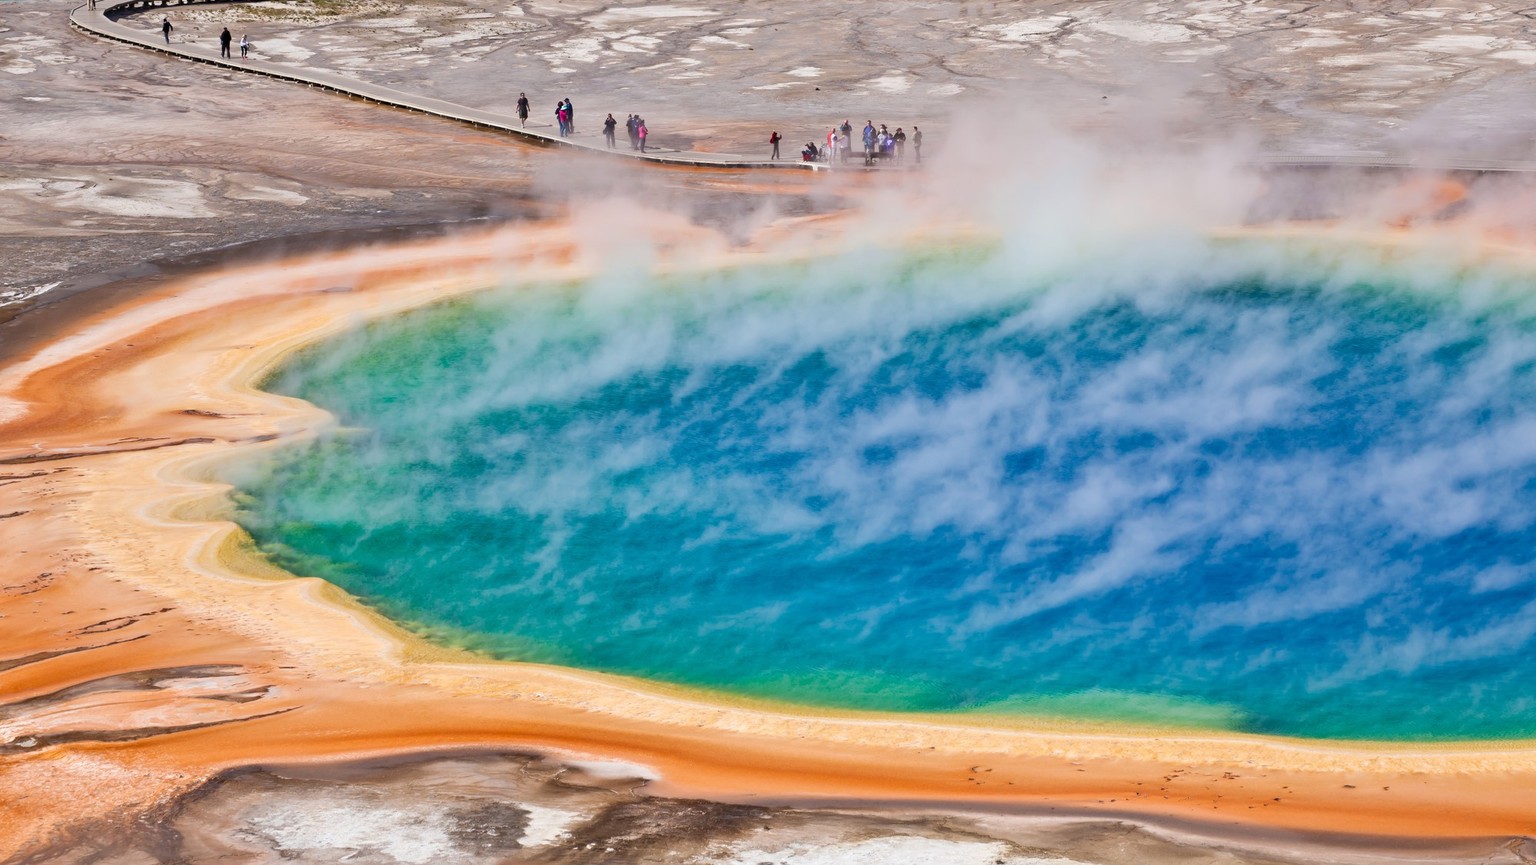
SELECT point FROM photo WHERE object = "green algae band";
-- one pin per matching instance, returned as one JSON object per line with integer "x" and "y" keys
{"x": 1256, "y": 490}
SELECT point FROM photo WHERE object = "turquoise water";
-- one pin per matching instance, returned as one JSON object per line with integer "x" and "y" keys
{"x": 1256, "y": 491}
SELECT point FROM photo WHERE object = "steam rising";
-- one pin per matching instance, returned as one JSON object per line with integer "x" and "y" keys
{"x": 1088, "y": 459}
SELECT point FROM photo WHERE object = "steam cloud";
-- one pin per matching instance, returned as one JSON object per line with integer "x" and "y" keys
{"x": 1090, "y": 448}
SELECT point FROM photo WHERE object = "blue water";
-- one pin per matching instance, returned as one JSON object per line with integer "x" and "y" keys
{"x": 1296, "y": 497}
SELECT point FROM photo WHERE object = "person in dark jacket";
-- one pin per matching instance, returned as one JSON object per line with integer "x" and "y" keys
{"x": 224, "y": 40}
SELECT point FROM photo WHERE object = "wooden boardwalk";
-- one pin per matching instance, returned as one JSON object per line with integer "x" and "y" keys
{"x": 103, "y": 21}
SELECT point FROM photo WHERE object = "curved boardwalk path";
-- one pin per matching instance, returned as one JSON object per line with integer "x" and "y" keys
{"x": 103, "y": 21}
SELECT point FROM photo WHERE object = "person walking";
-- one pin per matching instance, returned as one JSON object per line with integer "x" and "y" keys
{"x": 165, "y": 29}
{"x": 224, "y": 40}
{"x": 522, "y": 110}
{"x": 641, "y": 132}
{"x": 917, "y": 145}
{"x": 774, "y": 139}
{"x": 245, "y": 46}
{"x": 608, "y": 127}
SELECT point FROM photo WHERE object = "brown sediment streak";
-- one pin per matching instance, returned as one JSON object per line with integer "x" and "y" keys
{"x": 219, "y": 662}
{"x": 12, "y": 663}
{"x": 50, "y": 456}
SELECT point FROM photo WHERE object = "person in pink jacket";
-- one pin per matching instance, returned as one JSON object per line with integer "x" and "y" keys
{"x": 641, "y": 132}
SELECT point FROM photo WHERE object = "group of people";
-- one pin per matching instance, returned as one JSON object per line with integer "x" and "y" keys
{"x": 565, "y": 117}
{"x": 878, "y": 144}
{"x": 634, "y": 125}
{"x": 225, "y": 39}
{"x": 884, "y": 144}
{"x": 638, "y": 131}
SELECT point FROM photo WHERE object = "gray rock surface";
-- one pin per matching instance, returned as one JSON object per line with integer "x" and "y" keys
{"x": 488, "y": 809}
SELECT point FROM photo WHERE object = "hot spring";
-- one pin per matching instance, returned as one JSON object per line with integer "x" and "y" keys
{"x": 1266, "y": 489}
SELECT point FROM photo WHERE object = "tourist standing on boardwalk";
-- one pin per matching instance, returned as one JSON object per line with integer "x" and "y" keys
{"x": 900, "y": 139}
{"x": 831, "y": 149}
{"x": 165, "y": 29}
{"x": 633, "y": 125}
{"x": 245, "y": 46}
{"x": 641, "y": 132}
{"x": 774, "y": 139}
{"x": 570, "y": 116}
{"x": 869, "y": 141}
{"x": 917, "y": 145}
{"x": 608, "y": 127}
{"x": 522, "y": 109}
{"x": 846, "y": 129}
{"x": 561, "y": 120}
{"x": 224, "y": 40}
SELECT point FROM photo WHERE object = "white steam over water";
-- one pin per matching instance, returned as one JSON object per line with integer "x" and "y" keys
{"x": 1088, "y": 456}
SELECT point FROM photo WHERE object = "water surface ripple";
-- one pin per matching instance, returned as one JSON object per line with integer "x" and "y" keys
{"x": 1301, "y": 505}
